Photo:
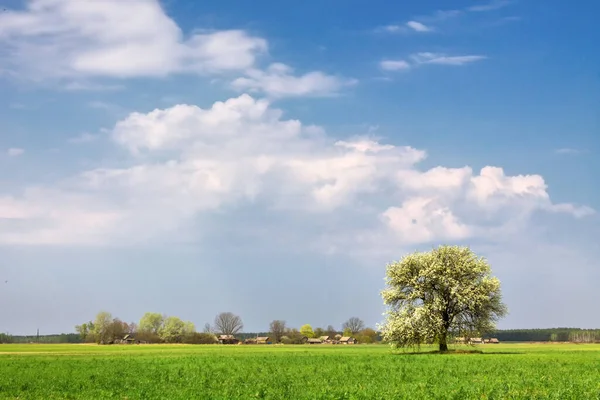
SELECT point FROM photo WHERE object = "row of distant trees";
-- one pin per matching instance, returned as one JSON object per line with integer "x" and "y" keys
{"x": 45, "y": 339}
{"x": 159, "y": 328}
{"x": 575, "y": 335}
{"x": 152, "y": 328}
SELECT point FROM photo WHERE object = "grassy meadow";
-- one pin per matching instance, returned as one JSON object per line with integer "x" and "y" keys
{"x": 505, "y": 371}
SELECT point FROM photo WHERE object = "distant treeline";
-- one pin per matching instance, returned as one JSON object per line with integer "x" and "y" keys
{"x": 47, "y": 339}
{"x": 576, "y": 335}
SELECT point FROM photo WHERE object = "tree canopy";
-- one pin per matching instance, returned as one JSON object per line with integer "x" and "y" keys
{"x": 151, "y": 322}
{"x": 277, "y": 329}
{"x": 354, "y": 325}
{"x": 431, "y": 295}
{"x": 228, "y": 323}
{"x": 307, "y": 331}
{"x": 174, "y": 329}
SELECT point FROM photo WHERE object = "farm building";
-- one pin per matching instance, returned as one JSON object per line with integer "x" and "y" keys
{"x": 129, "y": 339}
{"x": 325, "y": 339}
{"x": 228, "y": 339}
{"x": 347, "y": 340}
{"x": 494, "y": 340}
{"x": 314, "y": 341}
{"x": 250, "y": 341}
{"x": 262, "y": 340}
{"x": 476, "y": 340}
{"x": 459, "y": 340}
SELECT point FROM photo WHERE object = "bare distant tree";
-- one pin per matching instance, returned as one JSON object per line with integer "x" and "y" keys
{"x": 277, "y": 329}
{"x": 354, "y": 325}
{"x": 132, "y": 328}
{"x": 330, "y": 331}
{"x": 228, "y": 323}
{"x": 208, "y": 328}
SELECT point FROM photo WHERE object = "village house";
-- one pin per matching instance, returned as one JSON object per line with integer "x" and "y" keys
{"x": 347, "y": 340}
{"x": 228, "y": 339}
{"x": 325, "y": 339}
{"x": 130, "y": 339}
{"x": 262, "y": 340}
{"x": 494, "y": 341}
{"x": 476, "y": 340}
{"x": 314, "y": 341}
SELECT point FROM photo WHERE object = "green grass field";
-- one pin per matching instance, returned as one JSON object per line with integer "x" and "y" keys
{"x": 505, "y": 371}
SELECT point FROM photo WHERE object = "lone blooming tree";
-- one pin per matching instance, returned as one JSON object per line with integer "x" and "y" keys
{"x": 433, "y": 294}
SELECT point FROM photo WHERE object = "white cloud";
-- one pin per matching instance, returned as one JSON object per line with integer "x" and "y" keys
{"x": 418, "y": 26}
{"x": 440, "y": 16}
{"x": 79, "y": 43}
{"x": 391, "y": 28}
{"x": 115, "y": 38}
{"x": 187, "y": 162}
{"x": 278, "y": 81}
{"x": 438, "y": 179}
{"x": 578, "y": 212}
{"x": 394, "y": 65}
{"x": 428, "y": 58}
{"x": 568, "y": 150}
{"x": 410, "y": 26}
{"x": 442, "y": 59}
{"x": 490, "y": 6}
{"x": 421, "y": 220}
{"x": 15, "y": 152}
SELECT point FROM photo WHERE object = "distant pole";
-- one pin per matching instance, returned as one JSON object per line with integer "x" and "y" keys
{"x": 38, "y": 335}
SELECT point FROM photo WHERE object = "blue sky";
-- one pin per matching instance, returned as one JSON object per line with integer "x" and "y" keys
{"x": 267, "y": 159}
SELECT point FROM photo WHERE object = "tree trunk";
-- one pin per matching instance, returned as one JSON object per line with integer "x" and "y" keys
{"x": 444, "y": 339}
{"x": 443, "y": 342}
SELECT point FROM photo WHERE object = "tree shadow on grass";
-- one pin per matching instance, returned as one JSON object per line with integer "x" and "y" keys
{"x": 450, "y": 352}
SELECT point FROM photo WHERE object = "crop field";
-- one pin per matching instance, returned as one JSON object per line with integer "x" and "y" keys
{"x": 505, "y": 371}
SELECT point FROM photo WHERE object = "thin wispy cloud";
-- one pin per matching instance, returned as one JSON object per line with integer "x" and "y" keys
{"x": 442, "y": 59}
{"x": 424, "y": 23}
{"x": 394, "y": 65}
{"x": 429, "y": 58}
{"x": 390, "y": 28}
{"x": 568, "y": 150}
{"x": 405, "y": 28}
{"x": 490, "y": 6}
{"x": 15, "y": 152}
{"x": 418, "y": 27}
{"x": 83, "y": 138}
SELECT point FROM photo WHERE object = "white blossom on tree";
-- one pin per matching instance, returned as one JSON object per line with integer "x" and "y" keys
{"x": 432, "y": 295}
